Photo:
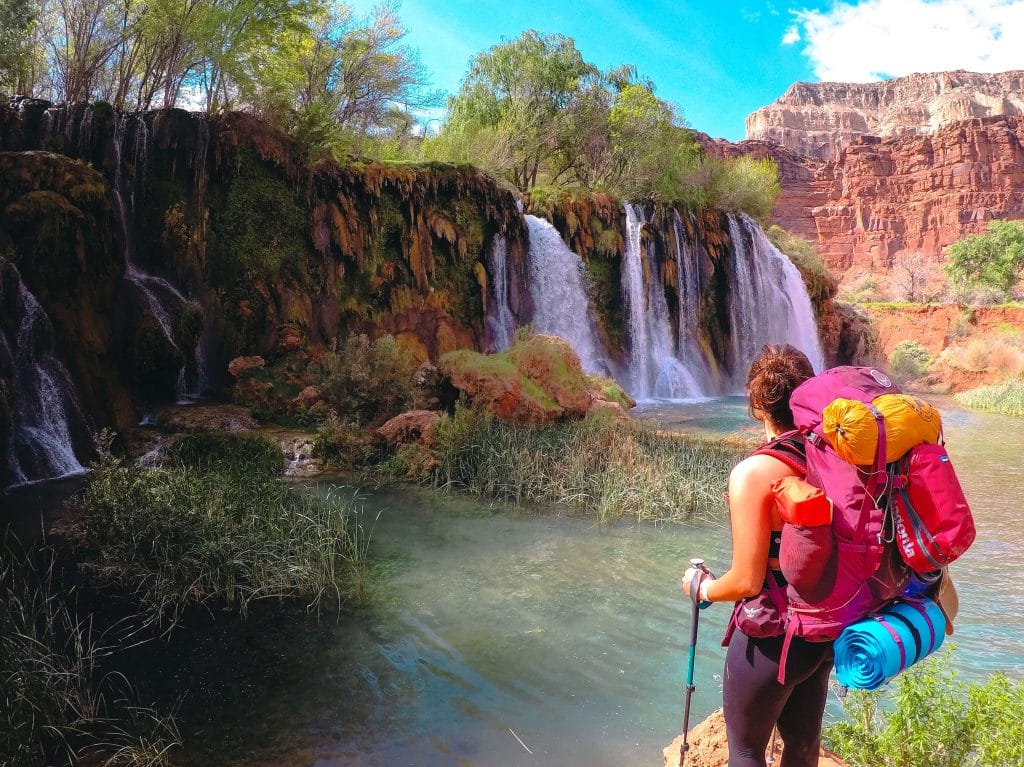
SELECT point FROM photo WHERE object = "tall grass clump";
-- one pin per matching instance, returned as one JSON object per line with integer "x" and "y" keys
{"x": 214, "y": 527}
{"x": 55, "y": 704}
{"x": 928, "y": 718}
{"x": 1006, "y": 398}
{"x": 608, "y": 466}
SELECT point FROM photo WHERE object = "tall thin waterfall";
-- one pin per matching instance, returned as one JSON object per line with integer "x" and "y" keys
{"x": 559, "y": 294}
{"x": 45, "y": 401}
{"x": 654, "y": 369}
{"x": 162, "y": 298}
{"x": 501, "y": 323}
{"x": 769, "y": 303}
{"x": 688, "y": 280}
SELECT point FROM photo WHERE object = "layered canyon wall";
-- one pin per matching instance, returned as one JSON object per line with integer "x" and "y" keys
{"x": 873, "y": 172}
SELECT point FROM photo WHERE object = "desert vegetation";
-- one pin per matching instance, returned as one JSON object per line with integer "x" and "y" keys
{"x": 929, "y": 718}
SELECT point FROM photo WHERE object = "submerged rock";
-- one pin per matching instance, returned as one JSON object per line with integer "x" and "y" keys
{"x": 708, "y": 747}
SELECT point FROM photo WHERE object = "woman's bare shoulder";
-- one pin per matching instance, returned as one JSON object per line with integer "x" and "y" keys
{"x": 758, "y": 469}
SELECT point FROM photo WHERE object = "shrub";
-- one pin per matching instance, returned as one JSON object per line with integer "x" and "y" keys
{"x": 909, "y": 360}
{"x": 866, "y": 291}
{"x": 368, "y": 383}
{"x": 345, "y": 444}
{"x": 608, "y": 466}
{"x": 930, "y": 719}
{"x": 742, "y": 184}
{"x": 185, "y": 535}
{"x": 1006, "y": 398}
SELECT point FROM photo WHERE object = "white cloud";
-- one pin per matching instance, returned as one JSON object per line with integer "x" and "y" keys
{"x": 874, "y": 39}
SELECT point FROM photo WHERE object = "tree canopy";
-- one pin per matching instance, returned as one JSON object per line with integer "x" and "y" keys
{"x": 534, "y": 112}
{"x": 993, "y": 260}
{"x": 308, "y": 65}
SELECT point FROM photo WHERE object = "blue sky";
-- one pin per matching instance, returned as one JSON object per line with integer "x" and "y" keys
{"x": 719, "y": 61}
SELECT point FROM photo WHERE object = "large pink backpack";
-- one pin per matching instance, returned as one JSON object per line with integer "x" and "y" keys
{"x": 864, "y": 571}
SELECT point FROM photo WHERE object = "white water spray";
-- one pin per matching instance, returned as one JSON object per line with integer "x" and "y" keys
{"x": 561, "y": 307}
{"x": 654, "y": 369}
{"x": 769, "y": 302}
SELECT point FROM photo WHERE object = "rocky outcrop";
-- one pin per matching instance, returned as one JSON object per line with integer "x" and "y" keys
{"x": 917, "y": 194}
{"x": 535, "y": 382}
{"x": 819, "y": 120}
{"x": 708, "y": 747}
{"x": 875, "y": 171}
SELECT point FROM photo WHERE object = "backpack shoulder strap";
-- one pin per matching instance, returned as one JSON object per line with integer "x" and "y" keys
{"x": 790, "y": 448}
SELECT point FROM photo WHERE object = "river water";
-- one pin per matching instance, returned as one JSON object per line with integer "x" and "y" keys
{"x": 508, "y": 638}
{"x": 531, "y": 639}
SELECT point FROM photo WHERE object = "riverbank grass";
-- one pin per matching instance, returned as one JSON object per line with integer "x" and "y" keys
{"x": 56, "y": 707}
{"x": 1006, "y": 398}
{"x": 608, "y": 466}
{"x": 217, "y": 523}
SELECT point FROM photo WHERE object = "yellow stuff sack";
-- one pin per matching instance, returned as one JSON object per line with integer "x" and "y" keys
{"x": 850, "y": 428}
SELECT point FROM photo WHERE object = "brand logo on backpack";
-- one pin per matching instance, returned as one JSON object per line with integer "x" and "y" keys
{"x": 880, "y": 378}
{"x": 905, "y": 541}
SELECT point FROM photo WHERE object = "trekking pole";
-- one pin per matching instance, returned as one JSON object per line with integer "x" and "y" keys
{"x": 695, "y": 598}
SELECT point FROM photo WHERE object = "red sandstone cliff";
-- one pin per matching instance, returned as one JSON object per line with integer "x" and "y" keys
{"x": 873, "y": 171}
{"x": 881, "y": 198}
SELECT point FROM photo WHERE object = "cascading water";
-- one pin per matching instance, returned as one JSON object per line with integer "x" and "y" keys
{"x": 561, "y": 307}
{"x": 689, "y": 290}
{"x": 501, "y": 322}
{"x": 654, "y": 369}
{"x": 45, "y": 400}
{"x": 769, "y": 303}
{"x": 162, "y": 298}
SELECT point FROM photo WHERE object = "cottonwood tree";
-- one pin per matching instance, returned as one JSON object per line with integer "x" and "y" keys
{"x": 516, "y": 96}
{"x": 18, "y": 19}
{"x": 994, "y": 259}
{"x": 359, "y": 78}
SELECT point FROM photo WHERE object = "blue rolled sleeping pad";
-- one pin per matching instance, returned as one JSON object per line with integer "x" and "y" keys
{"x": 872, "y": 651}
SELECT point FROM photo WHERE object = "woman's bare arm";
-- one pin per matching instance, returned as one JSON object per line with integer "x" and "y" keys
{"x": 751, "y": 507}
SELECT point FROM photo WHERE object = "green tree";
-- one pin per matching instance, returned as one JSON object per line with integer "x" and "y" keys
{"x": 359, "y": 80}
{"x": 994, "y": 259}
{"x": 17, "y": 19}
{"x": 515, "y": 97}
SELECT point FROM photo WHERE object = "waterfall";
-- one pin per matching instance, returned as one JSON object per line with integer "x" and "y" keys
{"x": 769, "y": 302}
{"x": 162, "y": 298}
{"x": 561, "y": 307}
{"x": 688, "y": 281}
{"x": 501, "y": 323}
{"x": 45, "y": 402}
{"x": 654, "y": 369}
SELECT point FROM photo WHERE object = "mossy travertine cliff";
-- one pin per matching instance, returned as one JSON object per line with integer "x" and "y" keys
{"x": 161, "y": 246}
{"x": 820, "y": 119}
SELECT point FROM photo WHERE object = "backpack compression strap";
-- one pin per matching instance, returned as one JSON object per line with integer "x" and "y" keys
{"x": 788, "y": 448}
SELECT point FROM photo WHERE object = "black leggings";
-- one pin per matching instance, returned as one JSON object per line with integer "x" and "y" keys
{"x": 755, "y": 701}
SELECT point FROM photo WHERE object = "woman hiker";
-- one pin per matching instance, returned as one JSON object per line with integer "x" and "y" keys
{"x": 754, "y": 700}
